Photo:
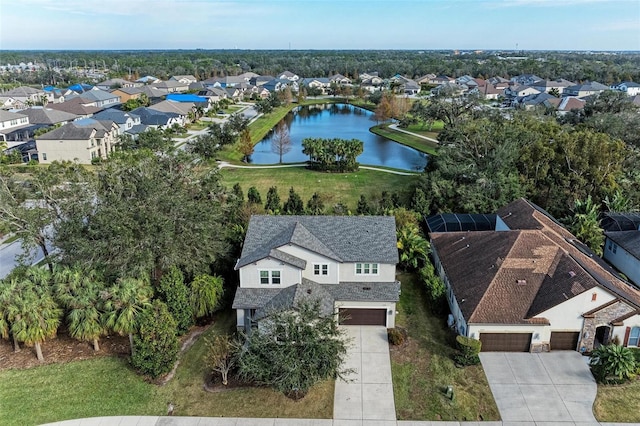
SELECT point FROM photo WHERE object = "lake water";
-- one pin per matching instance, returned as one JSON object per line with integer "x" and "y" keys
{"x": 339, "y": 121}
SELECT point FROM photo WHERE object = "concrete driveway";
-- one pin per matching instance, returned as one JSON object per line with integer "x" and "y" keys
{"x": 554, "y": 387}
{"x": 368, "y": 393}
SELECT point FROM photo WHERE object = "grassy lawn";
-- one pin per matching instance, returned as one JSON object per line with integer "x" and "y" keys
{"x": 423, "y": 367}
{"x": 332, "y": 187}
{"x": 107, "y": 386}
{"x": 419, "y": 128}
{"x": 613, "y": 403}
{"x": 199, "y": 125}
{"x": 11, "y": 239}
{"x": 420, "y": 144}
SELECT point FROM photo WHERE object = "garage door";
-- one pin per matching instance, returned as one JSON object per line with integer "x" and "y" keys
{"x": 564, "y": 340}
{"x": 505, "y": 342}
{"x": 353, "y": 316}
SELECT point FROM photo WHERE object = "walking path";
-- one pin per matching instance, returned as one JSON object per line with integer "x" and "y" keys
{"x": 224, "y": 164}
{"x": 395, "y": 127}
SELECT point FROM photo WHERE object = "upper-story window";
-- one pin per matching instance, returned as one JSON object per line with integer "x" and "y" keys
{"x": 366, "y": 269}
{"x": 321, "y": 269}
{"x": 270, "y": 276}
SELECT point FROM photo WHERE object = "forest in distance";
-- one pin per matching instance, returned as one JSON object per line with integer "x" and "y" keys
{"x": 604, "y": 67}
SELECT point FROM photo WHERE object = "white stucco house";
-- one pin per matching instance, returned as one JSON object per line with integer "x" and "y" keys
{"x": 629, "y": 87}
{"x": 524, "y": 283}
{"x": 346, "y": 263}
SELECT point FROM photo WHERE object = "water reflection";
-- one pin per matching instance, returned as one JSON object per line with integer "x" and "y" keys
{"x": 339, "y": 121}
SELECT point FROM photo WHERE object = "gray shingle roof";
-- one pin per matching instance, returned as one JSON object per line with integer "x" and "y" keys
{"x": 342, "y": 238}
{"x": 364, "y": 292}
{"x": 288, "y": 258}
{"x": 292, "y": 297}
{"x": 628, "y": 240}
{"x": 252, "y": 298}
{"x": 267, "y": 300}
{"x": 69, "y": 132}
{"x": 41, "y": 115}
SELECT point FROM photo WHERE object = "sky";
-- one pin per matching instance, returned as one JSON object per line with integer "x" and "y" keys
{"x": 320, "y": 24}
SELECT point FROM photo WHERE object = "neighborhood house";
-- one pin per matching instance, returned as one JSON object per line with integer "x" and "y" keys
{"x": 345, "y": 263}
{"x": 518, "y": 281}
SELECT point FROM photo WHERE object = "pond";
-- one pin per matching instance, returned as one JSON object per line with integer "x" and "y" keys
{"x": 339, "y": 121}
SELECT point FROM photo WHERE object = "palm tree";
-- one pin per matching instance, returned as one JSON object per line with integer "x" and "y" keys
{"x": 34, "y": 315}
{"x": 124, "y": 301}
{"x": 8, "y": 297}
{"x": 79, "y": 293}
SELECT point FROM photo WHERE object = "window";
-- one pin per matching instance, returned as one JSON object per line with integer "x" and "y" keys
{"x": 634, "y": 337}
{"x": 366, "y": 269}
{"x": 270, "y": 277}
{"x": 615, "y": 248}
{"x": 44, "y": 156}
{"x": 321, "y": 269}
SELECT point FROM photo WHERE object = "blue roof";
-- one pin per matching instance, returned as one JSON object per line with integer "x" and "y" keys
{"x": 80, "y": 87}
{"x": 185, "y": 98}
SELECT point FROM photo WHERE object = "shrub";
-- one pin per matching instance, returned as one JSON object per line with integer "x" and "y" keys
{"x": 468, "y": 351}
{"x": 397, "y": 336}
{"x": 612, "y": 364}
{"x": 206, "y": 293}
{"x": 155, "y": 344}
{"x": 174, "y": 292}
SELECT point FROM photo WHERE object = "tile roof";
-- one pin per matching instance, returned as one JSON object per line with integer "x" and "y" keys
{"x": 342, "y": 238}
{"x": 511, "y": 276}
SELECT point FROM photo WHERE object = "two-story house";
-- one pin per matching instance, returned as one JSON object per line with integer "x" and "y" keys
{"x": 12, "y": 126}
{"x": 346, "y": 263}
{"x": 81, "y": 141}
{"x": 629, "y": 87}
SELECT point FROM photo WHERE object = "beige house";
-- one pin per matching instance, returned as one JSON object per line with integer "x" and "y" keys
{"x": 520, "y": 282}
{"x": 80, "y": 141}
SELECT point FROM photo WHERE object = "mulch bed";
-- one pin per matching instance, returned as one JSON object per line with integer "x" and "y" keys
{"x": 60, "y": 349}
{"x": 63, "y": 349}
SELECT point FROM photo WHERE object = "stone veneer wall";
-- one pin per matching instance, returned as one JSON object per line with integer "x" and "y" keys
{"x": 603, "y": 317}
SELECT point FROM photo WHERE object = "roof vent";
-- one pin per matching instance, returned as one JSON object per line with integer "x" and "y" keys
{"x": 521, "y": 282}
{"x": 572, "y": 274}
{"x": 308, "y": 291}
{"x": 366, "y": 288}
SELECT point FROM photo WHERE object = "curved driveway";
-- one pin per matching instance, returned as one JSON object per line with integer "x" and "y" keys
{"x": 552, "y": 388}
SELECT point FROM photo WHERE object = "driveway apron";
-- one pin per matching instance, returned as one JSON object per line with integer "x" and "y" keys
{"x": 368, "y": 392}
{"x": 547, "y": 387}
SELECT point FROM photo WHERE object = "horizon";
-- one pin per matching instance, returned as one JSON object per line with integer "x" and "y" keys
{"x": 429, "y": 25}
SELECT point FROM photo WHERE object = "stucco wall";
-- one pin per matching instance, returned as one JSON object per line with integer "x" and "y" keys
{"x": 250, "y": 277}
{"x": 67, "y": 150}
{"x": 314, "y": 258}
{"x": 619, "y": 331}
{"x": 386, "y": 273}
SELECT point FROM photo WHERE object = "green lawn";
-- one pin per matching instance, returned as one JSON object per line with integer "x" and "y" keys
{"x": 422, "y": 368}
{"x": 613, "y": 403}
{"x": 107, "y": 386}
{"x": 421, "y": 128}
{"x": 333, "y": 187}
{"x": 415, "y": 142}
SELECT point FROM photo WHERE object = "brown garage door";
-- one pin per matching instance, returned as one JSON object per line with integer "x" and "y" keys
{"x": 505, "y": 342}
{"x": 564, "y": 340}
{"x": 353, "y": 316}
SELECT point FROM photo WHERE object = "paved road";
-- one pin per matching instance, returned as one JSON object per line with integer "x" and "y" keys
{"x": 9, "y": 254}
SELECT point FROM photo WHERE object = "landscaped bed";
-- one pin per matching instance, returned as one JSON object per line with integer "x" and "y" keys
{"x": 106, "y": 386}
{"x": 422, "y": 367}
